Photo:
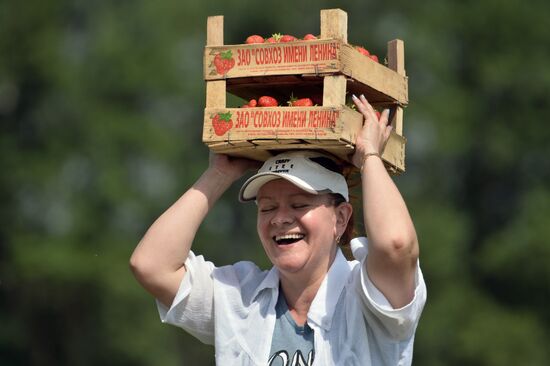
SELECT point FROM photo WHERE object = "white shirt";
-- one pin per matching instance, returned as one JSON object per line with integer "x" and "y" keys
{"x": 233, "y": 307}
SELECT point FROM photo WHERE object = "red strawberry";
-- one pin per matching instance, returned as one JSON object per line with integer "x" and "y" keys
{"x": 287, "y": 38}
{"x": 362, "y": 50}
{"x": 267, "y": 101}
{"x": 304, "y": 102}
{"x": 222, "y": 123}
{"x": 374, "y": 58}
{"x": 224, "y": 62}
{"x": 250, "y": 104}
{"x": 309, "y": 37}
{"x": 255, "y": 39}
{"x": 276, "y": 37}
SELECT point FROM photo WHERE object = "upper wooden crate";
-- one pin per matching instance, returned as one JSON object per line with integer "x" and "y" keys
{"x": 329, "y": 67}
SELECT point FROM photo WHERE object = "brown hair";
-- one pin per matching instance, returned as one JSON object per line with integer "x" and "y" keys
{"x": 348, "y": 171}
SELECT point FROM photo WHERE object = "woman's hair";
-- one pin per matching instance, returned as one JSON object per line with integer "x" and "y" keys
{"x": 338, "y": 199}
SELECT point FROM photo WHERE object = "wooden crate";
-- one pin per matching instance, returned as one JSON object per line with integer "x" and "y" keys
{"x": 328, "y": 66}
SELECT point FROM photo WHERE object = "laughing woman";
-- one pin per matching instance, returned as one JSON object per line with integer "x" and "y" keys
{"x": 313, "y": 307}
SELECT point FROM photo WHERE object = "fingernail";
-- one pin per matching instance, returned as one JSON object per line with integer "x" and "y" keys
{"x": 353, "y": 96}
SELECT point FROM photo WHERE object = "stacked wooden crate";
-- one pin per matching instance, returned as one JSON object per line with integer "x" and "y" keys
{"x": 328, "y": 67}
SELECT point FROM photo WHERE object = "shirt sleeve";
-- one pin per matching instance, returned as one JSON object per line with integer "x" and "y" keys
{"x": 192, "y": 308}
{"x": 400, "y": 323}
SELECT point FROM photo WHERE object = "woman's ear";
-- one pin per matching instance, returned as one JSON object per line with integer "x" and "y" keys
{"x": 343, "y": 214}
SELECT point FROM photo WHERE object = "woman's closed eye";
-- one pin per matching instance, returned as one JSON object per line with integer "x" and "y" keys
{"x": 265, "y": 209}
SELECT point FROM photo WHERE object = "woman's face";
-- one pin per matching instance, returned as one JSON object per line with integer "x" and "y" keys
{"x": 298, "y": 229}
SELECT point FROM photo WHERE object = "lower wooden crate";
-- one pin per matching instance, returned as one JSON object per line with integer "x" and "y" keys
{"x": 258, "y": 133}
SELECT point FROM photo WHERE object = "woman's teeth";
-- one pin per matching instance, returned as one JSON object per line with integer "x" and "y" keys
{"x": 288, "y": 238}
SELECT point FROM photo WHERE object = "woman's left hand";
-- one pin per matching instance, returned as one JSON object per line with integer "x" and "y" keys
{"x": 375, "y": 133}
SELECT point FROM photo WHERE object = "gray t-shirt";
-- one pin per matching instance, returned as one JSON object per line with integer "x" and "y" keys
{"x": 292, "y": 344}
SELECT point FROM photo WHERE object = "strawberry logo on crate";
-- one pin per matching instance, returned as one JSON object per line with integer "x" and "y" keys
{"x": 222, "y": 123}
{"x": 223, "y": 62}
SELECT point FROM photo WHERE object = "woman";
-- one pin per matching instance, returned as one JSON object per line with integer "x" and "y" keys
{"x": 313, "y": 306}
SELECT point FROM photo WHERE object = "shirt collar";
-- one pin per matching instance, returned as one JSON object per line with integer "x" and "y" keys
{"x": 324, "y": 304}
{"x": 271, "y": 280}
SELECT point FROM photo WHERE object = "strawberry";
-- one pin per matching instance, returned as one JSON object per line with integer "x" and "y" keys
{"x": 287, "y": 38}
{"x": 267, "y": 101}
{"x": 309, "y": 37}
{"x": 224, "y": 62}
{"x": 362, "y": 50}
{"x": 222, "y": 123}
{"x": 276, "y": 37}
{"x": 374, "y": 58}
{"x": 250, "y": 104}
{"x": 255, "y": 39}
{"x": 303, "y": 102}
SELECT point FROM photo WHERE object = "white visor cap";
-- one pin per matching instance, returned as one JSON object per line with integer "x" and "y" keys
{"x": 297, "y": 168}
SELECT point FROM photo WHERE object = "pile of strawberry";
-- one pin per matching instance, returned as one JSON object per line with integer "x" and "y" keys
{"x": 365, "y": 52}
{"x": 268, "y": 101}
{"x": 277, "y": 37}
{"x": 282, "y": 38}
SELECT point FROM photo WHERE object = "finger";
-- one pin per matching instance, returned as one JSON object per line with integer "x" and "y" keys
{"x": 362, "y": 108}
{"x": 367, "y": 109}
{"x": 358, "y": 103}
{"x": 367, "y": 104}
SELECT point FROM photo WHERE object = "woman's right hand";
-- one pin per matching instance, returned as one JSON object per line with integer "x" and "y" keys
{"x": 231, "y": 167}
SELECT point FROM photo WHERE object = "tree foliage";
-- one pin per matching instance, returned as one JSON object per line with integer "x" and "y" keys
{"x": 101, "y": 109}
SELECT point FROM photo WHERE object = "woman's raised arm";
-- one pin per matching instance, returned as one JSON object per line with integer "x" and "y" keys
{"x": 393, "y": 244}
{"x": 158, "y": 260}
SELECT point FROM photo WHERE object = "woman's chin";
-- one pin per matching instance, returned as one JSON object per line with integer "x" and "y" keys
{"x": 289, "y": 264}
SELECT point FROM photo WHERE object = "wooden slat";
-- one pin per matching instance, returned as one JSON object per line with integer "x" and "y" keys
{"x": 216, "y": 94}
{"x": 396, "y": 56}
{"x": 394, "y": 152}
{"x": 374, "y": 75}
{"x": 334, "y": 24}
{"x": 215, "y": 90}
{"x": 397, "y": 121}
{"x": 292, "y": 58}
{"x": 214, "y": 30}
{"x": 334, "y": 91}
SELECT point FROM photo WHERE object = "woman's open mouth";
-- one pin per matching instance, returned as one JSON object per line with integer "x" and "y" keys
{"x": 288, "y": 238}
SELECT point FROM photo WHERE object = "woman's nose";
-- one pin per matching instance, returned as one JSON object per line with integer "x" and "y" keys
{"x": 281, "y": 217}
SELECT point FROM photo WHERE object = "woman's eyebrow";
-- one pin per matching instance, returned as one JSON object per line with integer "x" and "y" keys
{"x": 263, "y": 198}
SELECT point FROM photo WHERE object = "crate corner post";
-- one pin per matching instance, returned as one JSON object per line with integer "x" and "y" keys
{"x": 396, "y": 62}
{"x": 215, "y": 89}
{"x": 334, "y": 24}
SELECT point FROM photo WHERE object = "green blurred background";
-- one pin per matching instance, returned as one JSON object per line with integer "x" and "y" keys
{"x": 101, "y": 106}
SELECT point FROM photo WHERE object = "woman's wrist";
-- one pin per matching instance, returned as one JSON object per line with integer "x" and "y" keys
{"x": 366, "y": 156}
